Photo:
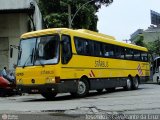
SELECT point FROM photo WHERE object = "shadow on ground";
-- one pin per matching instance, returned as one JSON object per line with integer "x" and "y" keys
{"x": 91, "y": 95}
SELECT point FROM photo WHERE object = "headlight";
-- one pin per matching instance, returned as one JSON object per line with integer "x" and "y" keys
{"x": 50, "y": 80}
{"x": 19, "y": 81}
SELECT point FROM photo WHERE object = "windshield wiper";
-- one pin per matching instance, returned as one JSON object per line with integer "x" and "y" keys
{"x": 30, "y": 56}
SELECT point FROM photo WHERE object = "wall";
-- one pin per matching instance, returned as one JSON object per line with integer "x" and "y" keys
{"x": 14, "y": 4}
{"x": 11, "y": 27}
{"x": 4, "y": 47}
{"x": 151, "y": 36}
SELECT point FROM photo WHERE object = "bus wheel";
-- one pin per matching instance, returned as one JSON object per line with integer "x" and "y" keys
{"x": 83, "y": 89}
{"x": 99, "y": 90}
{"x": 135, "y": 83}
{"x": 49, "y": 95}
{"x": 128, "y": 84}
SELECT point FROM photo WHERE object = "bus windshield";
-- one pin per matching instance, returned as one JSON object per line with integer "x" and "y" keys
{"x": 39, "y": 51}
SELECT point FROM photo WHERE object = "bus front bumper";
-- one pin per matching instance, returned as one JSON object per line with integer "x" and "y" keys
{"x": 62, "y": 87}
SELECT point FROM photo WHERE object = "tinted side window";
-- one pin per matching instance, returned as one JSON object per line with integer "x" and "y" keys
{"x": 82, "y": 46}
{"x": 128, "y": 54}
{"x": 97, "y": 48}
{"x": 144, "y": 56}
{"x": 137, "y": 55}
{"x": 66, "y": 49}
{"x": 119, "y": 52}
{"x": 108, "y": 50}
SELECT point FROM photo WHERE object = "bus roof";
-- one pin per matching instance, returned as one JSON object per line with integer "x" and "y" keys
{"x": 96, "y": 33}
{"x": 85, "y": 33}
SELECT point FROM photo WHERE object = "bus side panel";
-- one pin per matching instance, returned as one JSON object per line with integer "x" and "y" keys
{"x": 103, "y": 72}
{"x": 107, "y": 83}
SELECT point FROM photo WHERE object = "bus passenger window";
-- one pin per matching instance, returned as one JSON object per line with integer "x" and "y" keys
{"x": 108, "y": 50}
{"x": 128, "y": 54}
{"x": 119, "y": 52}
{"x": 97, "y": 49}
{"x": 82, "y": 46}
{"x": 66, "y": 49}
{"x": 137, "y": 55}
{"x": 86, "y": 47}
{"x": 144, "y": 56}
{"x": 79, "y": 45}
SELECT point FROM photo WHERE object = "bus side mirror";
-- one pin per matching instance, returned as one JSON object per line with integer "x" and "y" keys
{"x": 11, "y": 49}
{"x": 11, "y": 52}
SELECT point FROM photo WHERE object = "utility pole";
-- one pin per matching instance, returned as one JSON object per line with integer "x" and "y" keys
{"x": 126, "y": 41}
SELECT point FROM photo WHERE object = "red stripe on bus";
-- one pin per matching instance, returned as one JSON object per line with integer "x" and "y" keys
{"x": 93, "y": 73}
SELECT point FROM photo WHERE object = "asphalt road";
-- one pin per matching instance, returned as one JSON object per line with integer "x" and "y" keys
{"x": 144, "y": 101}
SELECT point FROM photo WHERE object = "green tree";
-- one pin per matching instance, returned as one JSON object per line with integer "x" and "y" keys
{"x": 153, "y": 47}
{"x": 140, "y": 41}
{"x": 55, "y": 13}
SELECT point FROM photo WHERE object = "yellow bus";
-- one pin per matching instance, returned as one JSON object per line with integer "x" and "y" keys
{"x": 62, "y": 60}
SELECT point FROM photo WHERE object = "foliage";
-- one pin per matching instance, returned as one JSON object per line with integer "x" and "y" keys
{"x": 55, "y": 12}
{"x": 140, "y": 41}
{"x": 104, "y": 2}
{"x": 153, "y": 47}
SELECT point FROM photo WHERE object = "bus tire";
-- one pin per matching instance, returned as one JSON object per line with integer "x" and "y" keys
{"x": 128, "y": 84}
{"x": 83, "y": 88}
{"x": 49, "y": 95}
{"x": 99, "y": 90}
{"x": 135, "y": 83}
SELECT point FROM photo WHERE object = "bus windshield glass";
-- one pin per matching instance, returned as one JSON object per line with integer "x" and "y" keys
{"x": 39, "y": 51}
